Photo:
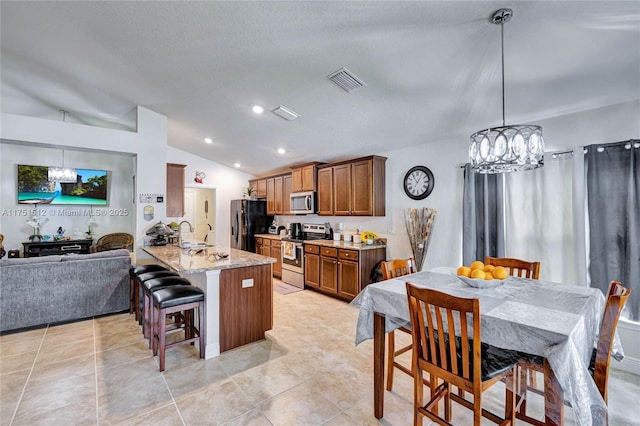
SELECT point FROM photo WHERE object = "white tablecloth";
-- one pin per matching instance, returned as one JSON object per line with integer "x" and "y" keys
{"x": 559, "y": 322}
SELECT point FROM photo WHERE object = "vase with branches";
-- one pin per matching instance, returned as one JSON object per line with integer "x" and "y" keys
{"x": 419, "y": 223}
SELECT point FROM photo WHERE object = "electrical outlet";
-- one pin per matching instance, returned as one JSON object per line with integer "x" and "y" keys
{"x": 247, "y": 283}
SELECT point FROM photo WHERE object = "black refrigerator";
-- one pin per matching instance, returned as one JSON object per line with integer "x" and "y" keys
{"x": 248, "y": 218}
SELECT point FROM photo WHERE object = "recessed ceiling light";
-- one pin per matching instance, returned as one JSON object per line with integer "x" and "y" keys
{"x": 208, "y": 140}
{"x": 282, "y": 151}
{"x": 257, "y": 109}
{"x": 236, "y": 165}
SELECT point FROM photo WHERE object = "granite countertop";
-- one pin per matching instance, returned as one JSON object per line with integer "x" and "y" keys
{"x": 350, "y": 245}
{"x": 201, "y": 260}
{"x": 270, "y": 236}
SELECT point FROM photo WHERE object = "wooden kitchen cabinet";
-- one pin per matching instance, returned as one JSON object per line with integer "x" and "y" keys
{"x": 348, "y": 270}
{"x": 304, "y": 177}
{"x": 263, "y": 246}
{"x": 342, "y": 190}
{"x": 271, "y": 196}
{"x": 276, "y": 253}
{"x": 340, "y": 272}
{"x": 325, "y": 192}
{"x": 286, "y": 194}
{"x": 312, "y": 265}
{"x": 275, "y": 195}
{"x": 175, "y": 190}
{"x": 352, "y": 188}
{"x": 329, "y": 269}
{"x": 259, "y": 245}
{"x": 278, "y": 191}
{"x": 259, "y": 187}
{"x": 271, "y": 248}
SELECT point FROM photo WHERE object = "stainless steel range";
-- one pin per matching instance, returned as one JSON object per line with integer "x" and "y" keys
{"x": 293, "y": 253}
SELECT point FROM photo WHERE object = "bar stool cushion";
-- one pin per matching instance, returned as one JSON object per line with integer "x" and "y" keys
{"x": 154, "y": 284}
{"x": 141, "y": 269}
{"x": 156, "y": 274}
{"x": 175, "y": 296}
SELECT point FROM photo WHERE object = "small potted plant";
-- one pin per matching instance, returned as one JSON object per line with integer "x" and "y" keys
{"x": 368, "y": 237}
{"x": 36, "y": 223}
{"x": 248, "y": 192}
{"x": 90, "y": 228}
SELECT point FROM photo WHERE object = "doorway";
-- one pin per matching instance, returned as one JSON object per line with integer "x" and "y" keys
{"x": 200, "y": 210}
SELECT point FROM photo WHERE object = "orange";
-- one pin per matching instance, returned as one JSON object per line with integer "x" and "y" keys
{"x": 488, "y": 276}
{"x": 477, "y": 273}
{"x": 477, "y": 265}
{"x": 464, "y": 271}
{"x": 500, "y": 272}
{"x": 489, "y": 268}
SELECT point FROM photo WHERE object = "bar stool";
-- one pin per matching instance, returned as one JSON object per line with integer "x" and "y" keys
{"x": 148, "y": 287}
{"x": 134, "y": 295}
{"x": 145, "y": 277}
{"x": 172, "y": 300}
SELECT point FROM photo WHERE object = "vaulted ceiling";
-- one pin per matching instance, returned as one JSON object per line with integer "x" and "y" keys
{"x": 431, "y": 69}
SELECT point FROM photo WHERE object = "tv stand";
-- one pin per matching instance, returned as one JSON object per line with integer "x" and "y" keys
{"x": 48, "y": 248}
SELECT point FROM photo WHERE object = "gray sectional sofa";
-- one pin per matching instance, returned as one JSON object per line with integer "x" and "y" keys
{"x": 41, "y": 290}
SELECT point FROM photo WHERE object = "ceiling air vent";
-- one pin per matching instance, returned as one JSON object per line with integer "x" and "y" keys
{"x": 285, "y": 113}
{"x": 346, "y": 79}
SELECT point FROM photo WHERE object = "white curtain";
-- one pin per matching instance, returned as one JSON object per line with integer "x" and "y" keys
{"x": 541, "y": 218}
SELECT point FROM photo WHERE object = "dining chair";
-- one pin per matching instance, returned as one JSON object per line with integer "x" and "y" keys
{"x": 516, "y": 267}
{"x": 617, "y": 296}
{"x": 440, "y": 333}
{"x": 393, "y": 269}
{"x": 523, "y": 269}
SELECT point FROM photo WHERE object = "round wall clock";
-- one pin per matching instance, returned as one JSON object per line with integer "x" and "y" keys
{"x": 418, "y": 182}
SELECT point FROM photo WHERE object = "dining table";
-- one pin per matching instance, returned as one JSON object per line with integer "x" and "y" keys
{"x": 556, "y": 321}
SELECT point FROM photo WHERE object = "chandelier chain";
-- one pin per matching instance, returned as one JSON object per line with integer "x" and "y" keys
{"x": 502, "y": 50}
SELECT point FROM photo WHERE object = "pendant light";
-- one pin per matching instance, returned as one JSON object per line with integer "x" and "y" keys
{"x": 507, "y": 148}
{"x": 62, "y": 174}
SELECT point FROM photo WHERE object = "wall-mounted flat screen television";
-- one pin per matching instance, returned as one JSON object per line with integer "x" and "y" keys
{"x": 34, "y": 187}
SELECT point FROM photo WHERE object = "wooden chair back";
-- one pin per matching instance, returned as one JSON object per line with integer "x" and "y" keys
{"x": 398, "y": 267}
{"x": 516, "y": 267}
{"x": 434, "y": 318}
{"x": 616, "y": 298}
{"x": 114, "y": 241}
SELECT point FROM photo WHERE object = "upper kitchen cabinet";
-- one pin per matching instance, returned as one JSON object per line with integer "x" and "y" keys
{"x": 325, "y": 191}
{"x": 259, "y": 187}
{"x": 286, "y": 193}
{"x": 276, "y": 202}
{"x": 303, "y": 177}
{"x": 175, "y": 190}
{"x": 352, "y": 188}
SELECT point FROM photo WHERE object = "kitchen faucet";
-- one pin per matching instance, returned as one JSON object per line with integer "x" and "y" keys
{"x": 180, "y": 231}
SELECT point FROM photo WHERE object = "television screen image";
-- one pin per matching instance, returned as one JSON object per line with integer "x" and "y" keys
{"x": 34, "y": 187}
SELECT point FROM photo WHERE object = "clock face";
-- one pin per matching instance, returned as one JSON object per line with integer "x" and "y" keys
{"x": 418, "y": 182}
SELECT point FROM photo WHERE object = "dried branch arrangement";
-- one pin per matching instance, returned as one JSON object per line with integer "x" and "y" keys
{"x": 419, "y": 223}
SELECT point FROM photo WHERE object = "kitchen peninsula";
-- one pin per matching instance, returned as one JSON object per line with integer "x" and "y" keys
{"x": 239, "y": 292}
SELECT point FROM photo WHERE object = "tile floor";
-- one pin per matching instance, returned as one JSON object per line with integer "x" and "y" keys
{"x": 307, "y": 372}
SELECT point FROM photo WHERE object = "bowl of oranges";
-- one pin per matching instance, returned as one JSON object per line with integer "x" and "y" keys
{"x": 480, "y": 275}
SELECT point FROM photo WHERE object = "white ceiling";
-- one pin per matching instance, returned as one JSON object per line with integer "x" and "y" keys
{"x": 432, "y": 69}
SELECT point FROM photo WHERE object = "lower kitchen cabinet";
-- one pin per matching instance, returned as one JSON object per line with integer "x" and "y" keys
{"x": 329, "y": 269}
{"x": 340, "y": 272}
{"x": 276, "y": 253}
{"x": 272, "y": 248}
{"x": 312, "y": 266}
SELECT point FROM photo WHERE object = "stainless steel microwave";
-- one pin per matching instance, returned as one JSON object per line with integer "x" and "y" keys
{"x": 303, "y": 202}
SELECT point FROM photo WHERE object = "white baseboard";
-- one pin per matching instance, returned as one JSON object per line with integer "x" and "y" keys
{"x": 630, "y": 365}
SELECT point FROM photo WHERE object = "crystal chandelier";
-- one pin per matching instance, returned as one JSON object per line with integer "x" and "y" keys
{"x": 507, "y": 148}
{"x": 62, "y": 174}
